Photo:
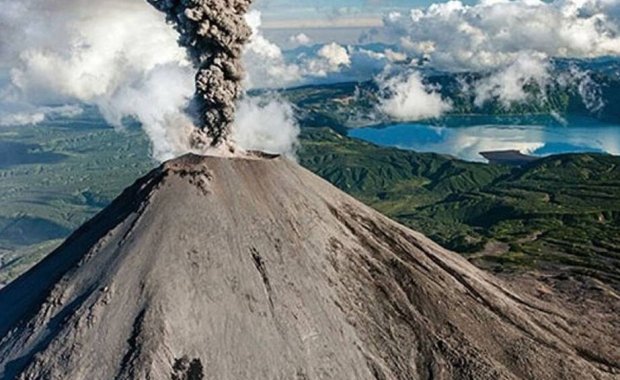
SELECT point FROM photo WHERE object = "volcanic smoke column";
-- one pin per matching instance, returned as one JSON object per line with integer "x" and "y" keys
{"x": 214, "y": 33}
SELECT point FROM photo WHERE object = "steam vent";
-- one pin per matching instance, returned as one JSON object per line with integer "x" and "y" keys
{"x": 254, "y": 268}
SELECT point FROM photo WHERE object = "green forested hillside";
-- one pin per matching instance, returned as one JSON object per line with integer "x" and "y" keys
{"x": 561, "y": 211}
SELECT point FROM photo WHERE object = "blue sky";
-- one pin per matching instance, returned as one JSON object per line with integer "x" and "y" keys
{"x": 342, "y": 21}
{"x": 320, "y": 9}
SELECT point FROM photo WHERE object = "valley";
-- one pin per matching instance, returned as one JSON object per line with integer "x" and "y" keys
{"x": 559, "y": 214}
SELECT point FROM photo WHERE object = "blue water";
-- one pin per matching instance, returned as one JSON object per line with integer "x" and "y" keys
{"x": 466, "y": 137}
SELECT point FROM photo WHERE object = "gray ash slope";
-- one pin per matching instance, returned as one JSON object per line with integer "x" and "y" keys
{"x": 212, "y": 268}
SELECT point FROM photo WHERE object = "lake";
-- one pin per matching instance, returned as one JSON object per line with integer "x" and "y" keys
{"x": 466, "y": 137}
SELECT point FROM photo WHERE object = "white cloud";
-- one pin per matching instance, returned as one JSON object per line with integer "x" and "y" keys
{"x": 493, "y": 33}
{"x": 395, "y": 56}
{"x": 300, "y": 39}
{"x": 22, "y": 118}
{"x": 589, "y": 91}
{"x": 511, "y": 43}
{"x": 264, "y": 60}
{"x": 508, "y": 84}
{"x": 530, "y": 78}
{"x": 268, "y": 67}
{"x": 335, "y": 55}
{"x": 330, "y": 58}
{"x": 34, "y": 115}
{"x": 408, "y": 98}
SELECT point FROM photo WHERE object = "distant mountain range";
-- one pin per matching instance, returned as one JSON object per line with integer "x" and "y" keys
{"x": 354, "y": 103}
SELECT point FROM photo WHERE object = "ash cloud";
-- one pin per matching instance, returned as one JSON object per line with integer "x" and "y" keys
{"x": 214, "y": 32}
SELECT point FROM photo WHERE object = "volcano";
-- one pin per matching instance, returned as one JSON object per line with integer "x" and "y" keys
{"x": 254, "y": 268}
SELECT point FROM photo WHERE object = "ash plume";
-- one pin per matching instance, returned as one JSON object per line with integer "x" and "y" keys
{"x": 214, "y": 33}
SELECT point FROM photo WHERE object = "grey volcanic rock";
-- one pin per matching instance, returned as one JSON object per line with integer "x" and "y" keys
{"x": 212, "y": 268}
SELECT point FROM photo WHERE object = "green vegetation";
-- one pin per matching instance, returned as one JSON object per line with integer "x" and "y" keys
{"x": 345, "y": 105}
{"x": 562, "y": 211}
{"x": 56, "y": 176}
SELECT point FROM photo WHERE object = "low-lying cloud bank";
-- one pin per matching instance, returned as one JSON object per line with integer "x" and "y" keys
{"x": 20, "y": 114}
{"x": 509, "y": 44}
{"x": 508, "y": 84}
{"x": 406, "y": 97}
{"x": 529, "y": 83}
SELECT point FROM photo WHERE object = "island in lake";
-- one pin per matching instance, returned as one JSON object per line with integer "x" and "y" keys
{"x": 508, "y": 157}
